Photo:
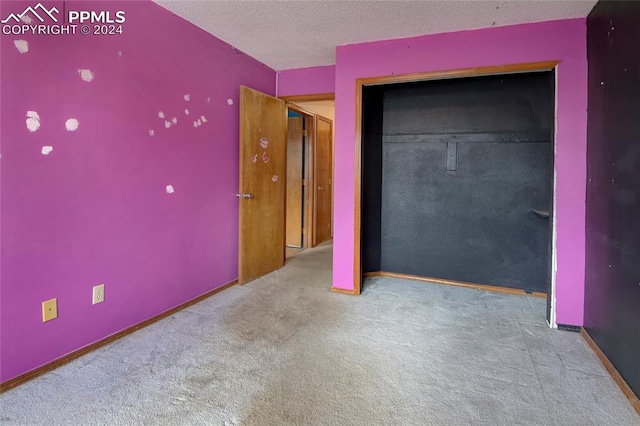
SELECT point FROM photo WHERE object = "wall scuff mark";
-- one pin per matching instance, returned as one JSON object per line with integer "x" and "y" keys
{"x": 86, "y": 75}
{"x": 72, "y": 124}
{"x": 22, "y": 45}
{"x": 46, "y": 150}
{"x": 170, "y": 189}
{"x": 33, "y": 121}
{"x": 229, "y": 101}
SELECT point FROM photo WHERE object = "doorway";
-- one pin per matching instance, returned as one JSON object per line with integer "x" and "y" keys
{"x": 309, "y": 206}
{"x": 297, "y": 129}
{"x": 270, "y": 189}
{"x": 457, "y": 181}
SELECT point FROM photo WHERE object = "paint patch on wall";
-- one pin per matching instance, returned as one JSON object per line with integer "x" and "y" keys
{"x": 264, "y": 143}
{"x": 33, "y": 121}
{"x": 195, "y": 124}
{"x": 160, "y": 114}
{"x": 254, "y": 159}
{"x": 21, "y": 45}
{"x": 186, "y": 112}
{"x": 187, "y": 97}
{"x": 265, "y": 157}
{"x": 203, "y": 118}
{"x": 199, "y": 122}
{"x": 174, "y": 120}
{"x": 152, "y": 132}
{"x": 229, "y": 101}
{"x": 167, "y": 124}
{"x": 169, "y": 189}
{"x": 86, "y": 75}
{"x": 26, "y": 19}
{"x": 208, "y": 99}
{"x": 46, "y": 150}
{"x": 72, "y": 124}
{"x": 274, "y": 178}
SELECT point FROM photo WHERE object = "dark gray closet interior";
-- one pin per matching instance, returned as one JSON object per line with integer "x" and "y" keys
{"x": 457, "y": 179}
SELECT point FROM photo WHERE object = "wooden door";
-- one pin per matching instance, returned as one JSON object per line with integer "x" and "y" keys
{"x": 262, "y": 184}
{"x": 323, "y": 179}
{"x": 294, "y": 181}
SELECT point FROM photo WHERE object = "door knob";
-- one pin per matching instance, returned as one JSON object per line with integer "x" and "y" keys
{"x": 244, "y": 195}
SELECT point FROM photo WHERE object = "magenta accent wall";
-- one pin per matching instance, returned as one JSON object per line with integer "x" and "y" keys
{"x": 306, "y": 81}
{"x": 95, "y": 209}
{"x": 558, "y": 40}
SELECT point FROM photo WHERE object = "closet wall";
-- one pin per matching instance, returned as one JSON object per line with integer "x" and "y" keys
{"x": 457, "y": 179}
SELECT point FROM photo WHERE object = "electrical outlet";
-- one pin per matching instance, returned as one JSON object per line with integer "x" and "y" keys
{"x": 49, "y": 310}
{"x": 98, "y": 294}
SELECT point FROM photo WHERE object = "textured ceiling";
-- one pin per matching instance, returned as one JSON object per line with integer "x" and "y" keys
{"x": 296, "y": 34}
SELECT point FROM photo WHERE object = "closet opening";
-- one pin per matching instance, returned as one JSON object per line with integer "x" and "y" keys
{"x": 456, "y": 181}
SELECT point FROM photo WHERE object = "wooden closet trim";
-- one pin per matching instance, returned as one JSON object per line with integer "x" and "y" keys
{"x": 309, "y": 98}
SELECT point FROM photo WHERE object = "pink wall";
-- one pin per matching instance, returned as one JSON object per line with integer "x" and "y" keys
{"x": 306, "y": 81}
{"x": 558, "y": 40}
{"x": 95, "y": 210}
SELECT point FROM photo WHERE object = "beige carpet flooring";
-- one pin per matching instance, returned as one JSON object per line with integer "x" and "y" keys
{"x": 284, "y": 350}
